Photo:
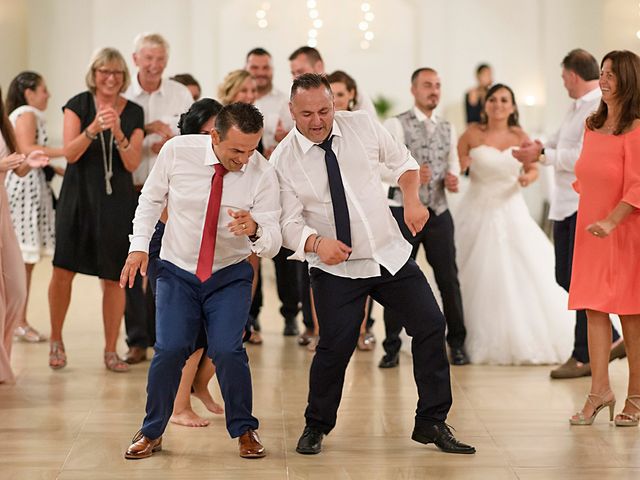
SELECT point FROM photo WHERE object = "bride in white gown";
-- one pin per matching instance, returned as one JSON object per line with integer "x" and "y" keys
{"x": 515, "y": 313}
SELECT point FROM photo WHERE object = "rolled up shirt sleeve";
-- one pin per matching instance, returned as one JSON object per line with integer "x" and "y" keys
{"x": 152, "y": 201}
{"x": 266, "y": 213}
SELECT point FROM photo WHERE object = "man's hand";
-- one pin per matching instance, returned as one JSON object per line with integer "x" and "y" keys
{"x": 528, "y": 152}
{"x": 451, "y": 182}
{"x": 415, "y": 216}
{"x": 332, "y": 252}
{"x": 242, "y": 223}
{"x": 159, "y": 128}
{"x": 425, "y": 174}
{"x": 601, "y": 228}
{"x": 135, "y": 261}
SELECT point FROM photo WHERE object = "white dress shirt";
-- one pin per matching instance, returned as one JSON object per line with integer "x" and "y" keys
{"x": 394, "y": 126}
{"x": 361, "y": 144}
{"x": 166, "y": 104}
{"x": 181, "y": 179}
{"x": 274, "y": 107}
{"x": 562, "y": 152}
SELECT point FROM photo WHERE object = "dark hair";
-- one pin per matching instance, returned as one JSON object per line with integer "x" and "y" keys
{"x": 311, "y": 53}
{"x": 243, "y": 116}
{"x": 626, "y": 68}
{"x": 582, "y": 63}
{"x": 416, "y": 73}
{"x": 5, "y": 128}
{"x": 185, "y": 79}
{"x": 199, "y": 113}
{"x": 343, "y": 77}
{"x": 22, "y": 82}
{"x": 258, "y": 51}
{"x": 513, "y": 120}
{"x": 481, "y": 67}
{"x": 307, "y": 81}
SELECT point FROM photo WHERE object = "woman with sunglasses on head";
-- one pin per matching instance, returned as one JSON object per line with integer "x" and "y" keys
{"x": 102, "y": 143}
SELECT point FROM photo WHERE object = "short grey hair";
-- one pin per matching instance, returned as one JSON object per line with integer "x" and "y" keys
{"x": 153, "y": 39}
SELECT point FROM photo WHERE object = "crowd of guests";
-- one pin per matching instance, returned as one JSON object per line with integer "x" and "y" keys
{"x": 494, "y": 270}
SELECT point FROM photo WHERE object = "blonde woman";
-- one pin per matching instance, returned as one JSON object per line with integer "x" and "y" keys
{"x": 102, "y": 143}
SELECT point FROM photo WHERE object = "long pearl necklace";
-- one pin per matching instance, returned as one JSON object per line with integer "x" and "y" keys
{"x": 107, "y": 161}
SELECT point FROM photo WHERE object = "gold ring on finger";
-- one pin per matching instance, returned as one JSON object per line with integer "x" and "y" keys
{"x": 244, "y": 226}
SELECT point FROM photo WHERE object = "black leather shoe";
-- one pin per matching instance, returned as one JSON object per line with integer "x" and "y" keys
{"x": 310, "y": 442}
{"x": 290, "y": 327}
{"x": 389, "y": 361}
{"x": 459, "y": 356}
{"x": 440, "y": 434}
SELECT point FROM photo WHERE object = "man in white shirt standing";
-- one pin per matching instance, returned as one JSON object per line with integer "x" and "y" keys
{"x": 163, "y": 101}
{"x": 432, "y": 142}
{"x": 274, "y": 106}
{"x": 580, "y": 74}
{"x": 204, "y": 268}
{"x": 335, "y": 215}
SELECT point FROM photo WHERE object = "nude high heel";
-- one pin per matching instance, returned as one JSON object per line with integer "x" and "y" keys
{"x": 582, "y": 420}
{"x": 629, "y": 419}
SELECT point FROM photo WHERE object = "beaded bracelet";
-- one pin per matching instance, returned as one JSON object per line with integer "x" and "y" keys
{"x": 316, "y": 243}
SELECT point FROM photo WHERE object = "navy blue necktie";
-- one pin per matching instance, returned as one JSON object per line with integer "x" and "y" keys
{"x": 338, "y": 197}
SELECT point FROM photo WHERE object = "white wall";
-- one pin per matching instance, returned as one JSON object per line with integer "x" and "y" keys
{"x": 524, "y": 40}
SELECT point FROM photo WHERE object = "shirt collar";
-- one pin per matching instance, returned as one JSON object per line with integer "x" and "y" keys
{"x": 421, "y": 117}
{"x": 306, "y": 144}
{"x": 211, "y": 158}
{"x": 137, "y": 88}
{"x": 588, "y": 97}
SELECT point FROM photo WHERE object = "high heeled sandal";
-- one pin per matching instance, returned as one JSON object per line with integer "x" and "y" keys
{"x": 582, "y": 420}
{"x": 57, "y": 355}
{"x": 624, "y": 419}
{"x": 28, "y": 334}
{"x": 114, "y": 363}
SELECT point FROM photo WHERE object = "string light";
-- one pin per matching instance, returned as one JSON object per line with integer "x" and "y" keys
{"x": 261, "y": 15}
{"x": 365, "y": 24}
{"x": 316, "y": 23}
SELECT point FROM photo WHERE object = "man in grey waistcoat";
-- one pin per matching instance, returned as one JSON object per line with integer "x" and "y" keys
{"x": 432, "y": 142}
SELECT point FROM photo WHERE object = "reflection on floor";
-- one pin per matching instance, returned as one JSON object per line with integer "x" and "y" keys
{"x": 76, "y": 423}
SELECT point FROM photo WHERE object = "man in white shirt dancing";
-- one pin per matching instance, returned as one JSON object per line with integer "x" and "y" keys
{"x": 335, "y": 216}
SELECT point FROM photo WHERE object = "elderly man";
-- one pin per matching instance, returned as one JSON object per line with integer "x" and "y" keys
{"x": 335, "y": 216}
{"x": 163, "y": 101}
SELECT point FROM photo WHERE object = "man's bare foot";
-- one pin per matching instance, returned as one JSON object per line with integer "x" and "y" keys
{"x": 205, "y": 397}
{"x": 188, "y": 418}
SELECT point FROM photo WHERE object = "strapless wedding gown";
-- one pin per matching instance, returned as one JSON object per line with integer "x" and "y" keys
{"x": 515, "y": 313}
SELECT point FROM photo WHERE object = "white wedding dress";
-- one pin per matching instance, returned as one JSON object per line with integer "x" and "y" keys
{"x": 515, "y": 313}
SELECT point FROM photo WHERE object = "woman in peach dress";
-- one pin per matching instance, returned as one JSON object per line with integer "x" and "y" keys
{"x": 606, "y": 264}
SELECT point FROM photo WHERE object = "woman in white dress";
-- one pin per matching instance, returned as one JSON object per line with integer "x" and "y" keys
{"x": 30, "y": 198}
{"x": 516, "y": 313}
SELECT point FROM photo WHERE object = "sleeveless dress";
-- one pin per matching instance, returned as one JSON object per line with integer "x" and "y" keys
{"x": 31, "y": 200}
{"x": 606, "y": 271}
{"x": 515, "y": 312}
{"x": 92, "y": 228}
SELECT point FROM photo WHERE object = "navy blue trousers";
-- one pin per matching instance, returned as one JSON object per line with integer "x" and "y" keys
{"x": 339, "y": 304}
{"x": 183, "y": 303}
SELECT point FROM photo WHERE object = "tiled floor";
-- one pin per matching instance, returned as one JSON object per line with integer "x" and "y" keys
{"x": 76, "y": 423}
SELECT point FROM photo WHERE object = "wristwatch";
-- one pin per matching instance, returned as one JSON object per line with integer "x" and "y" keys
{"x": 541, "y": 158}
{"x": 254, "y": 238}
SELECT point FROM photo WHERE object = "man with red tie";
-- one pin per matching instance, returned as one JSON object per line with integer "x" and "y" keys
{"x": 223, "y": 202}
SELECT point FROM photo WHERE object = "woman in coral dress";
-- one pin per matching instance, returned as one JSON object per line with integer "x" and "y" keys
{"x": 606, "y": 264}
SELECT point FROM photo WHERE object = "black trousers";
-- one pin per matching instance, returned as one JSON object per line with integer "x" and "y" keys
{"x": 437, "y": 239}
{"x": 340, "y": 303}
{"x": 304, "y": 283}
{"x": 139, "y": 315}
{"x": 287, "y": 285}
{"x": 564, "y": 233}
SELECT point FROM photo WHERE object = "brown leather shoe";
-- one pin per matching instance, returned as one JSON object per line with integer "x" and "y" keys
{"x": 250, "y": 446}
{"x": 572, "y": 368}
{"x": 135, "y": 355}
{"x": 618, "y": 351}
{"x": 142, "y": 447}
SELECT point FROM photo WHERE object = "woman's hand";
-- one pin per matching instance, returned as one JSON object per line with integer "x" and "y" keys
{"x": 37, "y": 159}
{"x": 11, "y": 162}
{"x": 601, "y": 228}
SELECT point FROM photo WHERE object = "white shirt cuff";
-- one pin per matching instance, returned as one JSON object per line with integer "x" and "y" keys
{"x": 139, "y": 243}
{"x": 300, "y": 254}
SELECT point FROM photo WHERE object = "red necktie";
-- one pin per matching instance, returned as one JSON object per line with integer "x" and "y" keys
{"x": 208, "y": 244}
